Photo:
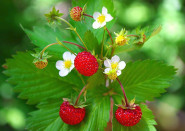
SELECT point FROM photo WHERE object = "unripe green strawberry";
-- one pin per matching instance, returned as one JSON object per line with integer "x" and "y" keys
{"x": 76, "y": 13}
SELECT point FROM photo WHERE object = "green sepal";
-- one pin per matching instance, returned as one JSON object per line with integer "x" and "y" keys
{"x": 38, "y": 58}
{"x": 52, "y": 15}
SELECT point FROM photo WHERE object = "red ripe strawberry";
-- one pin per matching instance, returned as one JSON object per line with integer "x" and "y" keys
{"x": 128, "y": 117}
{"x": 86, "y": 64}
{"x": 71, "y": 115}
{"x": 75, "y": 13}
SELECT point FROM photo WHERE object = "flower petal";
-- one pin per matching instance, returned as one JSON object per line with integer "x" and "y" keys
{"x": 103, "y": 24}
{"x": 106, "y": 71}
{"x": 96, "y": 15}
{"x": 108, "y": 17}
{"x": 118, "y": 72}
{"x": 96, "y": 25}
{"x": 72, "y": 66}
{"x": 73, "y": 58}
{"x": 115, "y": 59}
{"x": 104, "y": 10}
{"x": 67, "y": 55}
{"x": 107, "y": 63}
{"x": 63, "y": 72}
{"x": 59, "y": 64}
{"x": 121, "y": 65}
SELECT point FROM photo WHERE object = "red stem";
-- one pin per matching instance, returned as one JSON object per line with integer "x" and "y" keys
{"x": 110, "y": 36}
{"x": 88, "y": 15}
{"x": 133, "y": 35}
{"x": 80, "y": 94}
{"x": 126, "y": 100}
{"x": 74, "y": 44}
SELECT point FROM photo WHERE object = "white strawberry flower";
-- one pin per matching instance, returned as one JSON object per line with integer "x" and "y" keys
{"x": 101, "y": 18}
{"x": 114, "y": 67}
{"x": 65, "y": 66}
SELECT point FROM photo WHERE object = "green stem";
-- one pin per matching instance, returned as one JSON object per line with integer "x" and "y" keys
{"x": 126, "y": 100}
{"x": 42, "y": 52}
{"x": 65, "y": 46}
{"x": 74, "y": 29}
{"x": 80, "y": 77}
{"x": 80, "y": 95}
{"x": 102, "y": 44}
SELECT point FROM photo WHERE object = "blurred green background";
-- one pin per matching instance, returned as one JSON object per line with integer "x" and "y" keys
{"x": 168, "y": 46}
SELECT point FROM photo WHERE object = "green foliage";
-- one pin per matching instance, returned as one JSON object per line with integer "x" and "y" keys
{"x": 142, "y": 79}
{"x": 91, "y": 41}
{"x": 145, "y": 80}
{"x": 42, "y": 36}
{"x": 35, "y": 84}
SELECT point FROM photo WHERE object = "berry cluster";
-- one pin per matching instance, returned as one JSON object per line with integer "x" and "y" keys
{"x": 87, "y": 64}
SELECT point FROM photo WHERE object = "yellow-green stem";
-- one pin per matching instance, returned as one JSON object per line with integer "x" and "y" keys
{"x": 74, "y": 29}
{"x": 42, "y": 52}
{"x": 103, "y": 43}
{"x": 65, "y": 46}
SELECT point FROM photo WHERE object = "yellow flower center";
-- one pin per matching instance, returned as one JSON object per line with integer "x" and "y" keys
{"x": 114, "y": 65}
{"x": 122, "y": 40}
{"x": 67, "y": 64}
{"x": 101, "y": 18}
{"x": 112, "y": 75}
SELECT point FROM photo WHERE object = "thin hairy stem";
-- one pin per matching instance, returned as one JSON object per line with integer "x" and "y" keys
{"x": 102, "y": 44}
{"x": 74, "y": 29}
{"x": 42, "y": 52}
{"x": 80, "y": 94}
{"x": 126, "y": 100}
{"x": 87, "y": 15}
{"x": 74, "y": 44}
{"x": 65, "y": 46}
{"x": 132, "y": 35}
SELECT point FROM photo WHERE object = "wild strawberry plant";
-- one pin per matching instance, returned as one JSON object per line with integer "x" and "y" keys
{"x": 79, "y": 82}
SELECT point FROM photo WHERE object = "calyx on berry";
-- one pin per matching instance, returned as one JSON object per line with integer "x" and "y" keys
{"x": 128, "y": 115}
{"x": 71, "y": 114}
{"x": 40, "y": 61}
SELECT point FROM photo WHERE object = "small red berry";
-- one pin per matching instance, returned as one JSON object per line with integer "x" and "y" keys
{"x": 75, "y": 13}
{"x": 86, "y": 64}
{"x": 128, "y": 117}
{"x": 71, "y": 115}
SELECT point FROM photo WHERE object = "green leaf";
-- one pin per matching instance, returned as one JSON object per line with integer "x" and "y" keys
{"x": 144, "y": 80}
{"x": 35, "y": 84}
{"x": 43, "y": 36}
{"x": 146, "y": 123}
{"x": 92, "y": 7}
{"x": 47, "y": 117}
{"x": 91, "y": 42}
